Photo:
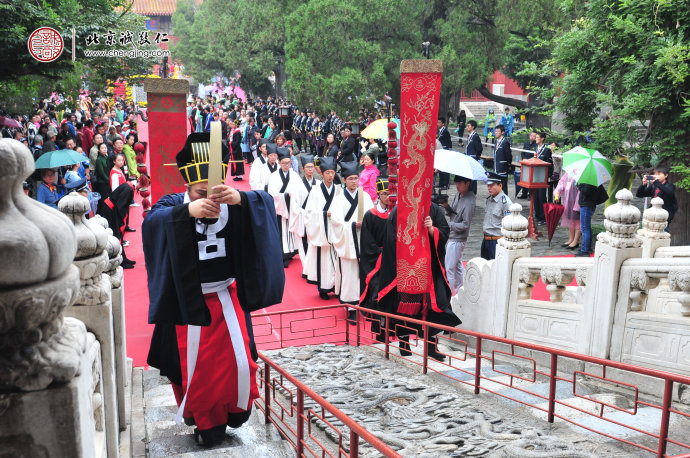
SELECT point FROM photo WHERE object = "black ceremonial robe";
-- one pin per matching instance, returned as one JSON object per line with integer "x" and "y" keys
{"x": 171, "y": 254}
{"x": 372, "y": 236}
{"x": 388, "y": 296}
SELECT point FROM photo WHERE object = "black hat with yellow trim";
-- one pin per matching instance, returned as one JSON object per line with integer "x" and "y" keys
{"x": 192, "y": 160}
{"x": 382, "y": 184}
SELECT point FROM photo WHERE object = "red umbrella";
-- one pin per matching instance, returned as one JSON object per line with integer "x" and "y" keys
{"x": 553, "y": 213}
{"x": 9, "y": 122}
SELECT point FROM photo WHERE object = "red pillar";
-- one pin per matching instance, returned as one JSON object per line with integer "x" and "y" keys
{"x": 167, "y": 112}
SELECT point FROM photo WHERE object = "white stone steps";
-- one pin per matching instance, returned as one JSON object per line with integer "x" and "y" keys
{"x": 165, "y": 438}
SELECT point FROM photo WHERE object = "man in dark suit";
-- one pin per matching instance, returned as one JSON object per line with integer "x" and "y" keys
{"x": 474, "y": 147}
{"x": 543, "y": 153}
{"x": 443, "y": 137}
{"x": 503, "y": 156}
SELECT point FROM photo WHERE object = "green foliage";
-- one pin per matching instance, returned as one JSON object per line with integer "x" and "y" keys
{"x": 627, "y": 76}
{"x": 22, "y": 78}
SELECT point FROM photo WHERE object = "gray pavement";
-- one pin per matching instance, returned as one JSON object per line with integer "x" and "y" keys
{"x": 540, "y": 247}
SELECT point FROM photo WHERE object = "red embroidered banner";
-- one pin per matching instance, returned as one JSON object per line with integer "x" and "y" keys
{"x": 420, "y": 93}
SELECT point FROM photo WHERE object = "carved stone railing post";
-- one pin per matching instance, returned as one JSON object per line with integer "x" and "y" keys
{"x": 653, "y": 234}
{"x": 45, "y": 372}
{"x": 114, "y": 271}
{"x": 93, "y": 305}
{"x": 617, "y": 244}
{"x": 527, "y": 279}
{"x": 512, "y": 246}
{"x": 640, "y": 284}
{"x": 679, "y": 280}
{"x": 556, "y": 279}
{"x": 482, "y": 302}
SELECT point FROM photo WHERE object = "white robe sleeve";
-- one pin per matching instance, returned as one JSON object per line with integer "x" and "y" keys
{"x": 343, "y": 234}
{"x": 257, "y": 176}
{"x": 274, "y": 186}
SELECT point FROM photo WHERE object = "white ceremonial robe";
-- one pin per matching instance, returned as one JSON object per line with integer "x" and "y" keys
{"x": 322, "y": 264}
{"x": 301, "y": 199}
{"x": 283, "y": 193}
{"x": 258, "y": 177}
{"x": 346, "y": 243}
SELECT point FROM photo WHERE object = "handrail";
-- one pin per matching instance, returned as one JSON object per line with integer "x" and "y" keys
{"x": 356, "y": 430}
{"x": 668, "y": 379}
{"x": 557, "y": 351}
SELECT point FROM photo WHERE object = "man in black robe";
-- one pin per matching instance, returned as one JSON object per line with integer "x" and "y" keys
{"x": 388, "y": 297}
{"x": 211, "y": 260}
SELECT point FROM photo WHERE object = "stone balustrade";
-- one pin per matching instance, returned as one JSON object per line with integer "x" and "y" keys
{"x": 631, "y": 300}
{"x": 49, "y": 364}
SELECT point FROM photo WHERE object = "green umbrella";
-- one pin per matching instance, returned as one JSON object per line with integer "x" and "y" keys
{"x": 54, "y": 159}
{"x": 587, "y": 166}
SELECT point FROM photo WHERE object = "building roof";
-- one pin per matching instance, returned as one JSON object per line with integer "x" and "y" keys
{"x": 157, "y": 7}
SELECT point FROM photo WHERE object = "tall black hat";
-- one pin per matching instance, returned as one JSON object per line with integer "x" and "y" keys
{"x": 306, "y": 159}
{"x": 347, "y": 169}
{"x": 192, "y": 160}
{"x": 283, "y": 153}
{"x": 271, "y": 148}
{"x": 326, "y": 163}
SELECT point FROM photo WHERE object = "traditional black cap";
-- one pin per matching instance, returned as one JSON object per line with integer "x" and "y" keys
{"x": 306, "y": 159}
{"x": 326, "y": 163}
{"x": 382, "y": 184}
{"x": 192, "y": 160}
{"x": 78, "y": 185}
{"x": 348, "y": 169}
{"x": 493, "y": 177}
{"x": 271, "y": 148}
{"x": 283, "y": 153}
{"x": 263, "y": 141}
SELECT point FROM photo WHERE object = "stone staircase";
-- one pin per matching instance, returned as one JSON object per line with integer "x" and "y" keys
{"x": 479, "y": 110}
{"x": 154, "y": 404}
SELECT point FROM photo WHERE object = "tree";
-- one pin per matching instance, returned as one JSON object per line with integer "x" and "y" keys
{"x": 626, "y": 79}
{"x": 23, "y": 78}
{"x": 342, "y": 54}
{"x": 229, "y": 38}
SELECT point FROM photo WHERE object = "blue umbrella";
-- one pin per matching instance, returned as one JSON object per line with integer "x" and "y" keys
{"x": 59, "y": 158}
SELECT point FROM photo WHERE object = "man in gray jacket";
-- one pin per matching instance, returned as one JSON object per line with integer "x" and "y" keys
{"x": 460, "y": 213}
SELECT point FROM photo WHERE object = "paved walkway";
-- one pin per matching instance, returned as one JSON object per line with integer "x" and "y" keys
{"x": 540, "y": 247}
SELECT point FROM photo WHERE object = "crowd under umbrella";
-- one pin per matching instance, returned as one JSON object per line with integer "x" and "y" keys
{"x": 59, "y": 158}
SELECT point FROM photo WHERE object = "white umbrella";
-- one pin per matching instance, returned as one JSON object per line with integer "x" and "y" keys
{"x": 458, "y": 164}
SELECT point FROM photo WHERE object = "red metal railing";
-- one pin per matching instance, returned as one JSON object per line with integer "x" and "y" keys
{"x": 539, "y": 363}
{"x": 291, "y": 419}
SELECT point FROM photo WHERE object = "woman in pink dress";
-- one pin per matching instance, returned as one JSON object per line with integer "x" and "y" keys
{"x": 568, "y": 194}
{"x": 367, "y": 179}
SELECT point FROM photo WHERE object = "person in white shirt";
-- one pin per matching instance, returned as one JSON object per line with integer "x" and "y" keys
{"x": 301, "y": 199}
{"x": 283, "y": 186}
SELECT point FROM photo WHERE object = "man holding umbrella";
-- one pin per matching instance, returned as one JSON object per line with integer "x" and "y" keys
{"x": 460, "y": 213}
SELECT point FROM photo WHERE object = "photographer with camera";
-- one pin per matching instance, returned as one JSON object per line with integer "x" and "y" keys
{"x": 657, "y": 185}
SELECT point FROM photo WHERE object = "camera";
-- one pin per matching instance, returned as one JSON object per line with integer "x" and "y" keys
{"x": 439, "y": 199}
{"x": 651, "y": 177}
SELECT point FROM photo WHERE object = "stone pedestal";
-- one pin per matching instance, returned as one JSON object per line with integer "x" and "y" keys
{"x": 482, "y": 302}
{"x": 617, "y": 244}
{"x": 64, "y": 419}
{"x": 167, "y": 111}
{"x": 49, "y": 372}
{"x": 93, "y": 306}
{"x": 653, "y": 234}
{"x": 117, "y": 296}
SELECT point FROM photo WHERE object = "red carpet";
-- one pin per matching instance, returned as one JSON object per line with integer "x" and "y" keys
{"x": 298, "y": 295}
